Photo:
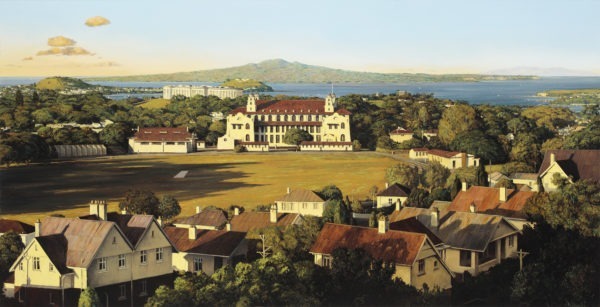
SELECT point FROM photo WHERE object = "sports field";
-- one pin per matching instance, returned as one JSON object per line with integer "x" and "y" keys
{"x": 220, "y": 179}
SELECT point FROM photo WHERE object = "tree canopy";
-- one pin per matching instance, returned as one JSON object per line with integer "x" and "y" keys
{"x": 296, "y": 136}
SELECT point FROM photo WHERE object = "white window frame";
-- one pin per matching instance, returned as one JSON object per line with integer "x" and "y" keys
{"x": 143, "y": 257}
{"x": 511, "y": 241}
{"x": 159, "y": 254}
{"x": 102, "y": 264}
{"x": 421, "y": 267}
{"x": 122, "y": 261}
{"x": 197, "y": 262}
{"x": 36, "y": 264}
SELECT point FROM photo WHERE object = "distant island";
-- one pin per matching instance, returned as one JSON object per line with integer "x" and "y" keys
{"x": 247, "y": 85}
{"x": 67, "y": 85}
{"x": 573, "y": 96}
{"x": 281, "y": 71}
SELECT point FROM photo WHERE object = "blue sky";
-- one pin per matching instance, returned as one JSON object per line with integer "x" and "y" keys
{"x": 385, "y": 36}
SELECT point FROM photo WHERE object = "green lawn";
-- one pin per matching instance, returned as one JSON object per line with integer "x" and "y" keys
{"x": 156, "y": 103}
{"x": 221, "y": 179}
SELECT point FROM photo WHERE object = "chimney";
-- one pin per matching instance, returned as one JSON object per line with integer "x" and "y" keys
{"x": 198, "y": 209}
{"x": 159, "y": 221}
{"x": 552, "y": 158}
{"x": 102, "y": 209}
{"x": 236, "y": 211}
{"x": 464, "y": 186}
{"x": 228, "y": 226}
{"x": 387, "y": 185}
{"x": 192, "y": 233}
{"x": 38, "y": 228}
{"x": 383, "y": 224}
{"x": 472, "y": 208}
{"x": 93, "y": 207}
{"x": 398, "y": 205}
{"x": 503, "y": 194}
{"x": 123, "y": 212}
{"x": 273, "y": 214}
{"x": 435, "y": 217}
{"x": 289, "y": 190}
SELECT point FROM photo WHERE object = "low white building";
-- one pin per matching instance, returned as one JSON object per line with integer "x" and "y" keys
{"x": 449, "y": 159}
{"x": 305, "y": 202}
{"x": 204, "y": 90}
{"x": 163, "y": 140}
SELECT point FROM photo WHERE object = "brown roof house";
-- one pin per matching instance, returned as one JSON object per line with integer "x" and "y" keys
{"x": 268, "y": 120}
{"x": 470, "y": 242}
{"x": 203, "y": 219}
{"x": 573, "y": 165}
{"x": 413, "y": 255}
{"x": 393, "y": 195}
{"x": 505, "y": 202}
{"x": 305, "y": 202}
{"x": 206, "y": 250}
{"x": 124, "y": 260}
{"x": 251, "y": 221}
{"x": 25, "y": 231}
{"x": 163, "y": 140}
{"x": 400, "y": 135}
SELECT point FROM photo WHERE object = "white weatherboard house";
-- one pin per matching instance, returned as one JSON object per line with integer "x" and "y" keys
{"x": 163, "y": 140}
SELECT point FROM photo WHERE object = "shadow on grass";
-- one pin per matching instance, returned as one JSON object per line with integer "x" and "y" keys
{"x": 66, "y": 185}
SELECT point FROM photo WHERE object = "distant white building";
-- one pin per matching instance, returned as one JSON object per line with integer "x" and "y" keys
{"x": 204, "y": 90}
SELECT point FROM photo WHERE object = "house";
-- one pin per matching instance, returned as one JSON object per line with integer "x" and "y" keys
{"x": 525, "y": 181}
{"x": 505, "y": 202}
{"x": 449, "y": 159}
{"x": 305, "y": 202}
{"x": 573, "y": 165}
{"x": 124, "y": 258}
{"x": 400, "y": 135}
{"x": 496, "y": 177}
{"x": 206, "y": 250}
{"x": 394, "y": 194}
{"x": 413, "y": 255}
{"x": 25, "y": 231}
{"x": 162, "y": 140}
{"x": 269, "y": 120}
{"x": 428, "y": 134}
{"x": 470, "y": 242}
{"x": 203, "y": 219}
{"x": 255, "y": 220}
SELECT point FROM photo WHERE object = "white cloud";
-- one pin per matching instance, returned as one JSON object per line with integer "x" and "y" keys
{"x": 97, "y": 21}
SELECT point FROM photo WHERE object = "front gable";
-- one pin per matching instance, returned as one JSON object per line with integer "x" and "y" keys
{"x": 153, "y": 237}
{"x": 114, "y": 243}
{"x": 35, "y": 267}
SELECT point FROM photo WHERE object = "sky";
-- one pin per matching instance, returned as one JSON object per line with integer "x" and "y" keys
{"x": 50, "y": 37}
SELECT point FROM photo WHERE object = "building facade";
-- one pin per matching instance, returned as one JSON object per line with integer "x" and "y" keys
{"x": 400, "y": 135}
{"x": 169, "y": 91}
{"x": 269, "y": 120}
{"x": 303, "y": 202}
{"x": 393, "y": 195}
{"x": 449, "y": 159}
{"x": 163, "y": 140}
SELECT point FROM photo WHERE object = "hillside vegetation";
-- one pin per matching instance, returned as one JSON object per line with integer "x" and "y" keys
{"x": 157, "y": 103}
{"x": 248, "y": 85}
{"x": 281, "y": 71}
{"x": 61, "y": 83}
{"x": 573, "y": 96}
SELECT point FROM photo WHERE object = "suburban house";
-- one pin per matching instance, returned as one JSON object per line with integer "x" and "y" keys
{"x": 413, "y": 255}
{"x": 211, "y": 219}
{"x": 525, "y": 181}
{"x": 206, "y": 250}
{"x": 496, "y": 177}
{"x": 449, "y": 159}
{"x": 305, "y": 202}
{"x": 255, "y": 220}
{"x": 573, "y": 165}
{"x": 162, "y": 140}
{"x": 269, "y": 120}
{"x": 505, "y": 202}
{"x": 124, "y": 258}
{"x": 25, "y": 231}
{"x": 394, "y": 194}
{"x": 400, "y": 135}
{"x": 471, "y": 242}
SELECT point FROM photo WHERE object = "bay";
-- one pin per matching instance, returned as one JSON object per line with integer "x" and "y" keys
{"x": 513, "y": 92}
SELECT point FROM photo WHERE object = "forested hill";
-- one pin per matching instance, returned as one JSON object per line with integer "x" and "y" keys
{"x": 281, "y": 71}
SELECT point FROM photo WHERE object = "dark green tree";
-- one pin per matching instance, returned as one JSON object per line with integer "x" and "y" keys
{"x": 168, "y": 207}
{"x": 116, "y": 134}
{"x": 331, "y": 192}
{"x": 140, "y": 202}
{"x": 11, "y": 247}
{"x": 418, "y": 198}
{"x": 335, "y": 211}
{"x": 435, "y": 176}
{"x": 403, "y": 174}
{"x": 481, "y": 176}
{"x": 455, "y": 187}
{"x": 296, "y": 136}
{"x": 89, "y": 298}
{"x": 19, "y": 101}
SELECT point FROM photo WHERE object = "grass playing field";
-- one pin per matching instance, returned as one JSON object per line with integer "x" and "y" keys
{"x": 220, "y": 179}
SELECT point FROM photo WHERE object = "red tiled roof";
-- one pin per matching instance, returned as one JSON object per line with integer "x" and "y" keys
{"x": 208, "y": 242}
{"x": 213, "y": 218}
{"x": 289, "y": 107}
{"x": 178, "y": 134}
{"x": 248, "y": 221}
{"x": 420, "y": 149}
{"x": 487, "y": 200}
{"x": 395, "y": 190}
{"x": 325, "y": 143}
{"x": 15, "y": 226}
{"x": 392, "y": 246}
{"x": 413, "y": 225}
{"x": 290, "y": 123}
{"x": 580, "y": 164}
